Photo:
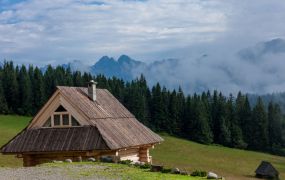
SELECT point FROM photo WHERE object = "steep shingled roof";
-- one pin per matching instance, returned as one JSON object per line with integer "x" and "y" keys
{"x": 106, "y": 105}
{"x": 117, "y": 127}
{"x": 56, "y": 139}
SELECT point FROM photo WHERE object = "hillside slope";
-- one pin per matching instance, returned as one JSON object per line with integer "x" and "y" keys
{"x": 173, "y": 152}
{"x": 230, "y": 163}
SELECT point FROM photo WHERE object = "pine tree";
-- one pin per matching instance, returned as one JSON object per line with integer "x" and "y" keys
{"x": 157, "y": 112}
{"x": 200, "y": 129}
{"x": 259, "y": 128}
{"x": 77, "y": 79}
{"x": 3, "y": 103}
{"x": 174, "y": 114}
{"x": 215, "y": 117}
{"x": 38, "y": 90}
{"x": 274, "y": 126}
{"x": 245, "y": 118}
{"x": 225, "y": 133}
{"x": 225, "y": 122}
{"x": 50, "y": 82}
{"x": 220, "y": 119}
{"x": 234, "y": 124}
{"x": 68, "y": 77}
{"x": 10, "y": 86}
{"x": 166, "y": 123}
{"x": 187, "y": 118}
{"x": 25, "y": 91}
{"x": 180, "y": 108}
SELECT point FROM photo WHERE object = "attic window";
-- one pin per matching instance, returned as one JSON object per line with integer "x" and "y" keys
{"x": 61, "y": 118}
{"x": 60, "y": 109}
{"x": 56, "y": 120}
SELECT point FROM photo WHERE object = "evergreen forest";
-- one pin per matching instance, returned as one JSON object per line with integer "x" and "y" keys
{"x": 207, "y": 117}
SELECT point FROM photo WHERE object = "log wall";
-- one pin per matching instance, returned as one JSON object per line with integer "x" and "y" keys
{"x": 134, "y": 154}
{"x": 35, "y": 159}
{"x": 129, "y": 154}
{"x": 144, "y": 155}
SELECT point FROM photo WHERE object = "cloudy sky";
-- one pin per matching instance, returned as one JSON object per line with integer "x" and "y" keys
{"x": 57, "y": 31}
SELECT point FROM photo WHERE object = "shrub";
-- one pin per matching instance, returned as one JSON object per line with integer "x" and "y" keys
{"x": 199, "y": 173}
{"x": 145, "y": 166}
{"x": 128, "y": 162}
{"x": 166, "y": 170}
{"x": 203, "y": 173}
{"x": 195, "y": 173}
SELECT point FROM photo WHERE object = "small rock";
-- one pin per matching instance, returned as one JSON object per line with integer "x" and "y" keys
{"x": 106, "y": 159}
{"x": 156, "y": 168}
{"x": 55, "y": 161}
{"x": 68, "y": 160}
{"x": 79, "y": 159}
{"x": 137, "y": 164}
{"x": 175, "y": 171}
{"x": 91, "y": 159}
{"x": 212, "y": 175}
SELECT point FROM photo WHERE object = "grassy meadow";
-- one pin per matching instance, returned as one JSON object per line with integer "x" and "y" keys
{"x": 113, "y": 171}
{"x": 230, "y": 163}
{"x": 173, "y": 152}
{"x": 9, "y": 127}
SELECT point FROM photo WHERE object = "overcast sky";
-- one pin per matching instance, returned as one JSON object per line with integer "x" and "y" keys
{"x": 57, "y": 31}
{"x": 53, "y": 31}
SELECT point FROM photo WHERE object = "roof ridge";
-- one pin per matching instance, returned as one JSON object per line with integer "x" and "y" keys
{"x": 58, "y": 87}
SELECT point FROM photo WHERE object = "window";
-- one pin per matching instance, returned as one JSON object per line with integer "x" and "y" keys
{"x": 60, "y": 109}
{"x": 61, "y": 118}
{"x": 56, "y": 120}
{"x": 65, "y": 119}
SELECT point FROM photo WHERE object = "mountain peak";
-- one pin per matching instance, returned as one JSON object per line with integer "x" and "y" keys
{"x": 105, "y": 61}
{"x": 275, "y": 45}
{"x": 124, "y": 58}
{"x": 254, "y": 53}
{"x": 106, "y": 58}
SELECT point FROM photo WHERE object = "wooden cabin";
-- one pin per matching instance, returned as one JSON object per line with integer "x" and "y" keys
{"x": 267, "y": 171}
{"x": 78, "y": 123}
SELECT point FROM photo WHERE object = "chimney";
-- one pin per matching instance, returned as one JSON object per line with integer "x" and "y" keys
{"x": 92, "y": 90}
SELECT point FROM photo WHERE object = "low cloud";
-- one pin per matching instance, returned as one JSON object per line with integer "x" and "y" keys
{"x": 229, "y": 73}
{"x": 57, "y": 32}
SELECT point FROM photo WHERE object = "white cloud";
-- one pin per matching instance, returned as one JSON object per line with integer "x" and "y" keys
{"x": 57, "y": 31}
{"x": 89, "y": 29}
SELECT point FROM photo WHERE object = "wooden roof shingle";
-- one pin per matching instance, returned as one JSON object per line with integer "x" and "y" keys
{"x": 106, "y": 105}
{"x": 56, "y": 139}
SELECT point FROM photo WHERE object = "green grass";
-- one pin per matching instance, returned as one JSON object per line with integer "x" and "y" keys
{"x": 113, "y": 171}
{"x": 227, "y": 162}
{"x": 173, "y": 152}
{"x": 9, "y": 127}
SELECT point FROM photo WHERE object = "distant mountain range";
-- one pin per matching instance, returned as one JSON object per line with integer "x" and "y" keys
{"x": 124, "y": 67}
{"x": 255, "y": 69}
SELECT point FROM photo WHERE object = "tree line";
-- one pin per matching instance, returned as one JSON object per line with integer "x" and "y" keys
{"x": 208, "y": 117}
